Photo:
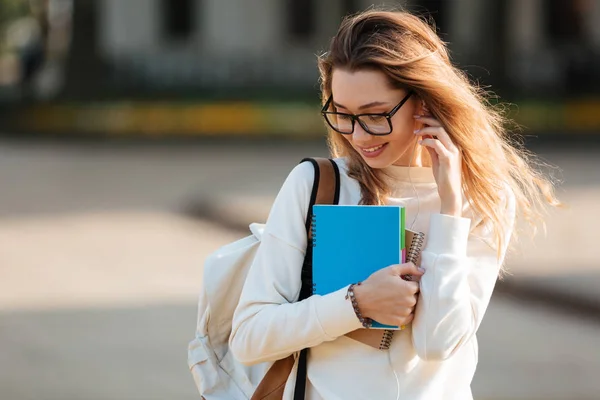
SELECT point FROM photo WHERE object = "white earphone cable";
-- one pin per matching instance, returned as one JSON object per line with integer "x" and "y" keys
{"x": 413, "y": 185}
{"x": 395, "y": 376}
{"x": 411, "y": 227}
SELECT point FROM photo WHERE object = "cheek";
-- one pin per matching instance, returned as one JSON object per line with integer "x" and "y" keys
{"x": 403, "y": 129}
{"x": 347, "y": 138}
{"x": 404, "y": 123}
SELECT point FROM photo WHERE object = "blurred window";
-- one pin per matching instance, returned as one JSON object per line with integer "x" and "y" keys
{"x": 301, "y": 18}
{"x": 178, "y": 18}
{"x": 565, "y": 28}
{"x": 564, "y": 20}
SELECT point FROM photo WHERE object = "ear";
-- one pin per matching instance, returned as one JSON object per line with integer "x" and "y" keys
{"x": 421, "y": 107}
{"x": 424, "y": 109}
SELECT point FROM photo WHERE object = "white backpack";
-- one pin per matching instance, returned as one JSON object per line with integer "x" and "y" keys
{"x": 217, "y": 374}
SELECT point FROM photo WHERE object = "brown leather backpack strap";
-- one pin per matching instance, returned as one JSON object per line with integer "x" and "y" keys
{"x": 327, "y": 186}
{"x": 326, "y": 192}
{"x": 272, "y": 385}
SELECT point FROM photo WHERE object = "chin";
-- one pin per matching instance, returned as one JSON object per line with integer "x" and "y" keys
{"x": 378, "y": 162}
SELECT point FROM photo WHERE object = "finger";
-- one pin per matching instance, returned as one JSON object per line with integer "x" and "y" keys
{"x": 415, "y": 279}
{"x": 409, "y": 289}
{"x": 428, "y": 120}
{"x": 436, "y": 145}
{"x": 407, "y": 320}
{"x": 406, "y": 269}
{"x": 412, "y": 278}
{"x": 437, "y": 132}
{"x": 433, "y": 155}
{"x": 413, "y": 287}
{"x": 429, "y": 130}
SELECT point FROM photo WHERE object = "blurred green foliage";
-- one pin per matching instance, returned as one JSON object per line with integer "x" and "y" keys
{"x": 9, "y": 11}
{"x": 12, "y": 9}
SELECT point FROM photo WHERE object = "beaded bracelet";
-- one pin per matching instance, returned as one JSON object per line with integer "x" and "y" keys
{"x": 366, "y": 322}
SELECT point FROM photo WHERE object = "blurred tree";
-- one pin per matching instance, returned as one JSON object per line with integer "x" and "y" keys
{"x": 9, "y": 11}
{"x": 24, "y": 33}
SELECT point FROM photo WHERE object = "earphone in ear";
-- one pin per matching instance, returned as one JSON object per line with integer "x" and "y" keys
{"x": 425, "y": 109}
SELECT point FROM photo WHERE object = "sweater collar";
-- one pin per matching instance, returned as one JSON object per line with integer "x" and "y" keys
{"x": 396, "y": 175}
{"x": 399, "y": 174}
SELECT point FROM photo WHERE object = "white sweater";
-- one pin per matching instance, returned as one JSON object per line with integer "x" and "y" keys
{"x": 434, "y": 358}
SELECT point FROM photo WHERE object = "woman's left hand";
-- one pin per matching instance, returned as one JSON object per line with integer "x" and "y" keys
{"x": 446, "y": 163}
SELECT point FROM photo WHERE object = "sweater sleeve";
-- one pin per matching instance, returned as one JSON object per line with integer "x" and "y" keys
{"x": 461, "y": 269}
{"x": 269, "y": 323}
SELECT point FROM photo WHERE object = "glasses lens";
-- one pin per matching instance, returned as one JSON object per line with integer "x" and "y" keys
{"x": 376, "y": 124}
{"x": 340, "y": 122}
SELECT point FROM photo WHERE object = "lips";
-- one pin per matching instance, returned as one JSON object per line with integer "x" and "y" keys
{"x": 373, "y": 151}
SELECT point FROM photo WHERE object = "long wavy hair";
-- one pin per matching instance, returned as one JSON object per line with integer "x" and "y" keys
{"x": 412, "y": 56}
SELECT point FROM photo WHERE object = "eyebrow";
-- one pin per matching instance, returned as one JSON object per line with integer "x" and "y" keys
{"x": 364, "y": 106}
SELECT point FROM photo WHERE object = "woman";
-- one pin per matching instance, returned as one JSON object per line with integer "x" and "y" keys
{"x": 407, "y": 128}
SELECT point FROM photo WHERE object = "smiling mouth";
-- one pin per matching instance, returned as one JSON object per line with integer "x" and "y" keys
{"x": 372, "y": 149}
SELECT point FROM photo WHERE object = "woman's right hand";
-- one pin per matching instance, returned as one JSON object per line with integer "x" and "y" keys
{"x": 386, "y": 297}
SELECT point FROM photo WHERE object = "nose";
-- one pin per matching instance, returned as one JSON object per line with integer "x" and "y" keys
{"x": 360, "y": 135}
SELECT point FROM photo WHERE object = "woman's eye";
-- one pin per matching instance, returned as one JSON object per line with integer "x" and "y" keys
{"x": 375, "y": 118}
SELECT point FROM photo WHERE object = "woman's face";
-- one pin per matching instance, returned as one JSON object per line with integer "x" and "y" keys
{"x": 368, "y": 91}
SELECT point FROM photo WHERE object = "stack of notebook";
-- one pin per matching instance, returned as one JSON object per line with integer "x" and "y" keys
{"x": 352, "y": 242}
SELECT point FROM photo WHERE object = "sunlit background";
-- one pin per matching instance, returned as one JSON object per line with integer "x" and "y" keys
{"x": 137, "y": 136}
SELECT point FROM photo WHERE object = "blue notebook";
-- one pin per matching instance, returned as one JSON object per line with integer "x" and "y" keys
{"x": 352, "y": 242}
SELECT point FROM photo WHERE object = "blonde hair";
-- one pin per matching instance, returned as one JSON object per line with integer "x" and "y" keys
{"x": 408, "y": 51}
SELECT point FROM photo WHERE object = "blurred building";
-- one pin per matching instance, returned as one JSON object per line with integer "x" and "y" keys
{"x": 172, "y": 59}
{"x": 533, "y": 46}
{"x": 208, "y": 48}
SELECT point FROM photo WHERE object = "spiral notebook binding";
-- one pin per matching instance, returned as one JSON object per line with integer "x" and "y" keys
{"x": 386, "y": 339}
{"x": 313, "y": 230}
{"x": 416, "y": 245}
{"x": 312, "y": 243}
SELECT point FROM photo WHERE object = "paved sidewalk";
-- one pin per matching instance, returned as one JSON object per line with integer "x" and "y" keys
{"x": 104, "y": 307}
{"x": 100, "y": 271}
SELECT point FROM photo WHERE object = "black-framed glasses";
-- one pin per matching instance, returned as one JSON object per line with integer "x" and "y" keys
{"x": 378, "y": 124}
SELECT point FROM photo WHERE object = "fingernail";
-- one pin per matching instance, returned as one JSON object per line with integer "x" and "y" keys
{"x": 421, "y": 269}
{"x": 417, "y": 131}
{"x": 420, "y": 142}
{"x": 417, "y": 116}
